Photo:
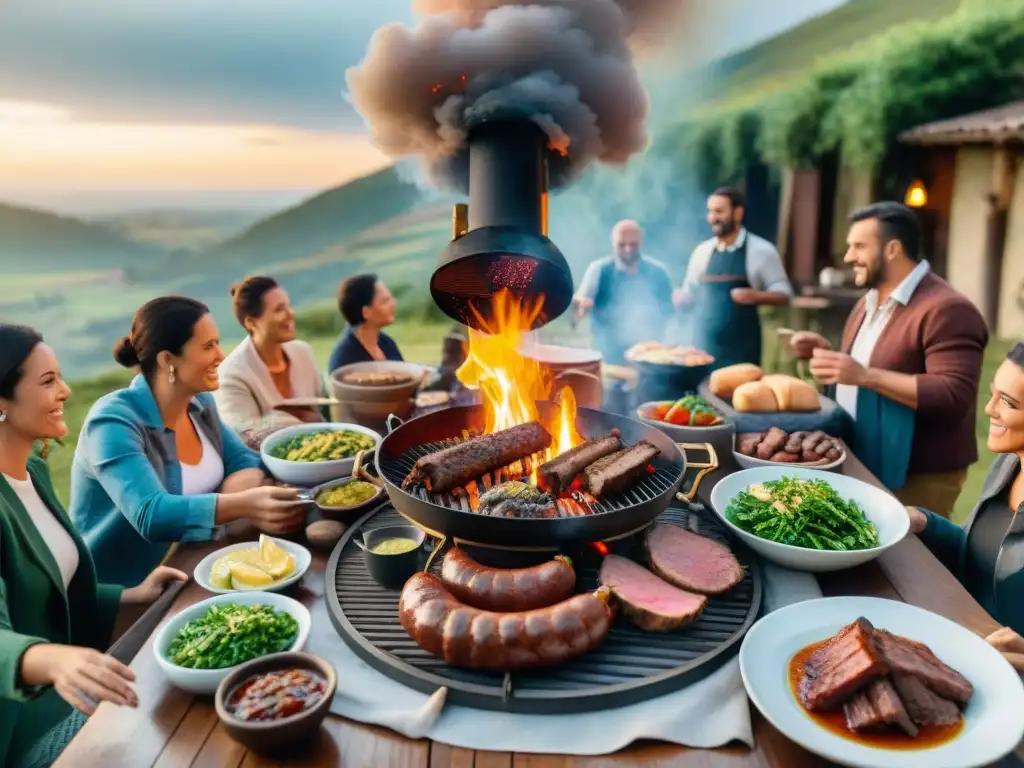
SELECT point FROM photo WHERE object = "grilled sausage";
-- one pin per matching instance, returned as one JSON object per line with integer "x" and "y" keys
{"x": 773, "y": 442}
{"x": 794, "y": 441}
{"x": 468, "y": 637}
{"x": 747, "y": 443}
{"x": 507, "y": 590}
{"x": 812, "y": 441}
{"x": 784, "y": 457}
{"x": 457, "y": 465}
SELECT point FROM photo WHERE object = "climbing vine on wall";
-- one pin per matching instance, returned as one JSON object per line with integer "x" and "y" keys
{"x": 912, "y": 74}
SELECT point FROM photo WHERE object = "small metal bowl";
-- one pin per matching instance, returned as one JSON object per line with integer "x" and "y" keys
{"x": 344, "y": 514}
{"x": 272, "y": 735}
{"x": 392, "y": 571}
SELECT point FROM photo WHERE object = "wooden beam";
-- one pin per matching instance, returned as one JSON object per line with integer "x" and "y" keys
{"x": 785, "y": 214}
{"x": 1000, "y": 198}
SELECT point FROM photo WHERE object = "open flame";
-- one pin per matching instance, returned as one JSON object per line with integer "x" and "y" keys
{"x": 510, "y": 384}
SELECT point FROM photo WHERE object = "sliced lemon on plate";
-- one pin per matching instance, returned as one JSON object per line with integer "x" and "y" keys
{"x": 274, "y": 560}
{"x": 245, "y": 576}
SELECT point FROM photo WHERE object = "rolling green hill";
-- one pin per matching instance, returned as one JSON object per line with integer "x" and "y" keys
{"x": 772, "y": 63}
{"x": 34, "y": 241}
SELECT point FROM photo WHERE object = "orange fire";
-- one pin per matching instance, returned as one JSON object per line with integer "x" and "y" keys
{"x": 510, "y": 384}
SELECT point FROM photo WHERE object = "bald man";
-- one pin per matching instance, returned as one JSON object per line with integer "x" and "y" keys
{"x": 629, "y": 295}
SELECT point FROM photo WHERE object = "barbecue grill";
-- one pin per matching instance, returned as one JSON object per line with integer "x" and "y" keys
{"x": 449, "y": 515}
{"x": 631, "y": 665}
{"x": 503, "y": 244}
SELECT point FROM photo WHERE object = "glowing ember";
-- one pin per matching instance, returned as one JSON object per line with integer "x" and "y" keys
{"x": 509, "y": 383}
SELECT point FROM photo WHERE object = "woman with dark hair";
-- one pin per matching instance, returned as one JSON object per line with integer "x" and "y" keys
{"x": 54, "y": 616}
{"x": 367, "y": 306}
{"x": 270, "y": 366}
{"x": 154, "y": 464}
{"x": 987, "y": 552}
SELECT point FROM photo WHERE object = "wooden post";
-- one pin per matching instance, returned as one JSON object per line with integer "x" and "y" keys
{"x": 998, "y": 216}
{"x": 785, "y": 214}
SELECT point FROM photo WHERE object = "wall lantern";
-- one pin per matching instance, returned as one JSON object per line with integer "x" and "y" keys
{"x": 917, "y": 195}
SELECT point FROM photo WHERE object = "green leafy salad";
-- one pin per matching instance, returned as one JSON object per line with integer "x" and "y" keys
{"x": 232, "y": 634}
{"x": 802, "y": 513}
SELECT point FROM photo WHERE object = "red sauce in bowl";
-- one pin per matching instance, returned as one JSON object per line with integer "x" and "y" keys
{"x": 276, "y": 695}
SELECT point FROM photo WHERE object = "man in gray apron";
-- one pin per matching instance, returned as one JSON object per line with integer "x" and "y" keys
{"x": 727, "y": 279}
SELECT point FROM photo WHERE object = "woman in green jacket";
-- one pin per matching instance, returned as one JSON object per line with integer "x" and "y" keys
{"x": 54, "y": 616}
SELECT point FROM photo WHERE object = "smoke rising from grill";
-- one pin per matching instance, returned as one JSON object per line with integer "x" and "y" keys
{"x": 566, "y": 65}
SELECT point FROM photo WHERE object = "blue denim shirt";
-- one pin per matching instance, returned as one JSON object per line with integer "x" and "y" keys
{"x": 126, "y": 482}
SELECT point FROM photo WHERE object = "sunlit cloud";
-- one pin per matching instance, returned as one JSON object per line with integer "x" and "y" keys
{"x": 44, "y": 145}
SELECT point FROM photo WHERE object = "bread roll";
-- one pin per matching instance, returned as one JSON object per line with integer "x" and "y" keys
{"x": 792, "y": 394}
{"x": 725, "y": 381}
{"x": 754, "y": 397}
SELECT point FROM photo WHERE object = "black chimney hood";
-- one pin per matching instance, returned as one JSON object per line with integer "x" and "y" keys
{"x": 504, "y": 244}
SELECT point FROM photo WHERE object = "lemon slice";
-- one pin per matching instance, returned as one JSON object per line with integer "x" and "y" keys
{"x": 275, "y": 560}
{"x": 220, "y": 574}
{"x": 245, "y": 576}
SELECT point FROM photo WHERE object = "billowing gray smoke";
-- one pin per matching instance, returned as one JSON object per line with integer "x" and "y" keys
{"x": 564, "y": 64}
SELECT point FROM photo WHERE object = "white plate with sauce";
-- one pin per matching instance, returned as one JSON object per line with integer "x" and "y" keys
{"x": 993, "y": 721}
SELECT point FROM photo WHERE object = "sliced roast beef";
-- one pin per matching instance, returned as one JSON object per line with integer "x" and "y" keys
{"x": 924, "y": 706}
{"x": 618, "y": 471}
{"x": 878, "y": 706}
{"x": 917, "y": 659}
{"x": 692, "y": 562}
{"x": 843, "y": 665}
{"x": 646, "y": 600}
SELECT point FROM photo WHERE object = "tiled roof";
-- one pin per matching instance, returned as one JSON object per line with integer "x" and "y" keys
{"x": 991, "y": 126}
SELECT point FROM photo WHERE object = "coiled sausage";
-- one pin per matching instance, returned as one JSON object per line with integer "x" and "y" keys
{"x": 469, "y": 637}
{"x": 500, "y": 589}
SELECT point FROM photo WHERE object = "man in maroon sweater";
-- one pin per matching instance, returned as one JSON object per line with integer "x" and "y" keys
{"x": 910, "y": 362}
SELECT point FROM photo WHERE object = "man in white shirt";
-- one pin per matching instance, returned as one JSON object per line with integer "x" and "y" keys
{"x": 727, "y": 278}
{"x": 629, "y": 294}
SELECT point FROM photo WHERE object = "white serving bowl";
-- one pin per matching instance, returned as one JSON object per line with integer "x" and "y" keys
{"x": 879, "y": 506}
{"x": 306, "y": 474}
{"x": 751, "y": 462}
{"x": 301, "y": 555}
{"x": 205, "y": 681}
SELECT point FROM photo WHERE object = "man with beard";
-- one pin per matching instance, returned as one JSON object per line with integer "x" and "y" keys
{"x": 629, "y": 294}
{"x": 910, "y": 362}
{"x": 727, "y": 278}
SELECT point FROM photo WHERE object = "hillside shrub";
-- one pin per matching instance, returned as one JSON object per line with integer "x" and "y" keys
{"x": 861, "y": 100}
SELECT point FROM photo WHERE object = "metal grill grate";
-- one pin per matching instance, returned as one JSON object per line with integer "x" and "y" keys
{"x": 631, "y": 665}
{"x": 395, "y": 470}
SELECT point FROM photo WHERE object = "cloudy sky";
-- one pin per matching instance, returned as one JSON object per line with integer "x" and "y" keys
{"x": 200, "y": 96}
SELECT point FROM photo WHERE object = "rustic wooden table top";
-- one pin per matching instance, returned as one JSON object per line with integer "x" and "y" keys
{"x": 172, "y": 728}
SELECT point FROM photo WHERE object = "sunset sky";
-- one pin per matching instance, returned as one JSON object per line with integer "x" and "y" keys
{"x": 145, "y": 100}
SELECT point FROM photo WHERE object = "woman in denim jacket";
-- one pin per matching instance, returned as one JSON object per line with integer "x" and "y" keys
{"x": 154, "y": 464}
{"x": 987, "y": 553}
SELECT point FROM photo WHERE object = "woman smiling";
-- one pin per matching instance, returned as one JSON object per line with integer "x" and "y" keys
{"x": 270, "y": 366}
{"x": 987, "y": 553}
{"x": 54, "y": 616}
{"x": 154, "y": 464}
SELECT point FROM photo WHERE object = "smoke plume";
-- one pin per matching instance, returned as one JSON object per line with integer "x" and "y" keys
{"x": 566, "y": 65}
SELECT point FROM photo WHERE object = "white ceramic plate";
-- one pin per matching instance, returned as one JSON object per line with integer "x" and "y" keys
{"x": 879, "y": 506}
{"x": 994, "y": 718}
{"x": 301, "y": 555}
{"x": 205, "y": 681}
{"x": 306, "y": 474}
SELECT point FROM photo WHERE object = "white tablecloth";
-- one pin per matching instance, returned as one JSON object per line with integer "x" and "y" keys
{"x": 710, "y": 713}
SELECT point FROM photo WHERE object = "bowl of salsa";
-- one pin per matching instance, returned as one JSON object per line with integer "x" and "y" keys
{"x": 276, "y": 700}
{"x": 346, "y": 499}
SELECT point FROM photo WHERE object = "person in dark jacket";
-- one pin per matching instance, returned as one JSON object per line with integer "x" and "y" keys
{"x": 55, "y": 618}
{"x": 368, "y": 307}
{"x": 987, "y": 552}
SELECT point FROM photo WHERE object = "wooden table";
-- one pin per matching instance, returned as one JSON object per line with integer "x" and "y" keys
{"x": 172, "y": 728}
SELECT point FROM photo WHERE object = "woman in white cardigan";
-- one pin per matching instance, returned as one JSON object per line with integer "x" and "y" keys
{"x": 270, "y": 366}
